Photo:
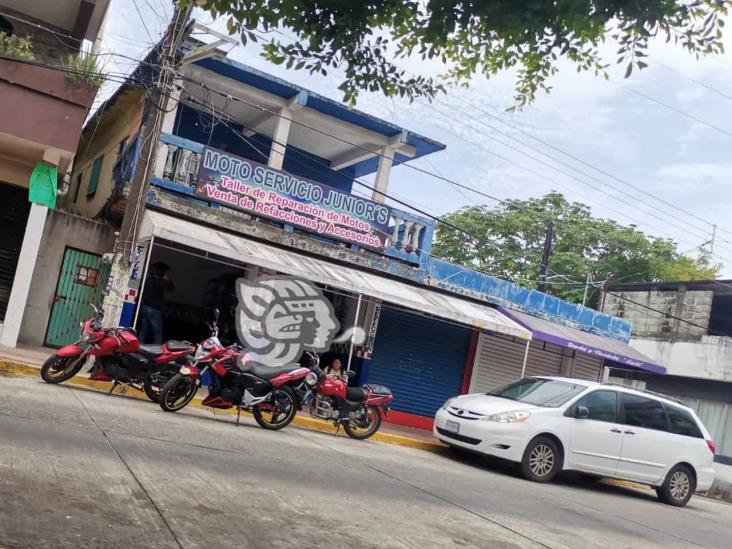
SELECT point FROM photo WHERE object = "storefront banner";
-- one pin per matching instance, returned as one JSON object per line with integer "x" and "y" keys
{"x": 263, "y": 191}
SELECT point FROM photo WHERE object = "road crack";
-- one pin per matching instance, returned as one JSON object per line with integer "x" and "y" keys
{"x": 132, "y": 473}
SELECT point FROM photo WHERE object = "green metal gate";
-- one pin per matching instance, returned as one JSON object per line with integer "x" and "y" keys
{"x": 80, "y": 282}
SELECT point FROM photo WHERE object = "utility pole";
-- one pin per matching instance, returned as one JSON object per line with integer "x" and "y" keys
{"x": 547, "y": 253}
{"x": 156, "y": 105}
{"x": 588, "y": 281}
{"x": 605, "y": 285}
{"x": 711, "y": 242}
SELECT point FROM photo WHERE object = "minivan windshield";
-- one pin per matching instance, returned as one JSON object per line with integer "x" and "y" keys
{"x": 539, "y": 392}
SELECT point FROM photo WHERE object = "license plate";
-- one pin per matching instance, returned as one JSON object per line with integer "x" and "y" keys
{"x": 452, "y": 426}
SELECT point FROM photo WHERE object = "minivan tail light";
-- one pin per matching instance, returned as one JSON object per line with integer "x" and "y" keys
{"x": 712, "y": 446}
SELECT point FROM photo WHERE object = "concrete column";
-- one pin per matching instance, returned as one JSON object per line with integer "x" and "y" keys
{"x": 114, "y": 294}
{"x": 381, "y": 183}
{"x": 23, "y": 275}
{"x": 279, "y": 139}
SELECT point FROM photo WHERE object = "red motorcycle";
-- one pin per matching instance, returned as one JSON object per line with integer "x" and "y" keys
{"x": 267, "y": 392}
{"x": 358, "y": 409}
{"x": 183, "y": 386}
{"x": 119, "y": 358}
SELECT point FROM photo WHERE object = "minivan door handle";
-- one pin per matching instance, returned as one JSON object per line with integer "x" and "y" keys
{"x": 629, "y": 432}
{"x": 614, "y": 430}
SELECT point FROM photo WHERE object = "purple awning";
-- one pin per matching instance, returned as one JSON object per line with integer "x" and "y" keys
{"x": 584, "y": 342}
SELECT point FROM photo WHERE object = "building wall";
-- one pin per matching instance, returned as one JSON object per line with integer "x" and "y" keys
{"x": 692, "y": 305}
{"x": 40, "y": 105}
{"x": 61, "y": 230}
{"x": 708, "y": 358}
{"x": 102, "y": 137}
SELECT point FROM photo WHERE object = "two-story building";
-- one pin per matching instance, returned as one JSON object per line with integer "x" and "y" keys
{"x": 255, "y": 175}
{"x": 686, "y": 327}
{"x": 42, "y": 111}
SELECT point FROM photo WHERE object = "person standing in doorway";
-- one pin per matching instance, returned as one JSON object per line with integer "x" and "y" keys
{"x": 336, "y": 369}
{"x": 151, "y": 316}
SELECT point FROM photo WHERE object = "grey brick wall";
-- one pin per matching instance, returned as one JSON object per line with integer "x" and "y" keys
{"x": 693, "y": 306}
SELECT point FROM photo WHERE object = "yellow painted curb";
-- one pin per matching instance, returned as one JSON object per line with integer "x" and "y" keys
{"x": 27, "y": 370}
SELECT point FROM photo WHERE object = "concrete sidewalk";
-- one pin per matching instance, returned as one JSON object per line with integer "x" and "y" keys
{"x": 27, "y": 361}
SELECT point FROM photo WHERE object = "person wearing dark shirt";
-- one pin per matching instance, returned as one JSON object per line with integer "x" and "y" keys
{"x": 151, "y": 317}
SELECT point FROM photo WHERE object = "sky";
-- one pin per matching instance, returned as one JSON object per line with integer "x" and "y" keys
{"x": 666, "y": 130}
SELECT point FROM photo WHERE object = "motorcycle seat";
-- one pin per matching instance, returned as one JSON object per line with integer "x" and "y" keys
{"x": 378, "y": 389}
{"x": 355, "y": 394}
{"x": 268, "y": 372}
{"x": 151, "y": 350}
{"x": 175, "y": 345}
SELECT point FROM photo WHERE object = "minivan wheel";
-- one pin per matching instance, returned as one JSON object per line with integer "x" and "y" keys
{"x": 541, "y": 461}
{"x": 678, "y": 487}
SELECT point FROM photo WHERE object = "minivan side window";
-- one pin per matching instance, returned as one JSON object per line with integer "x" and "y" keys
{"x": 681, "y": 422}
{"x": 602, "y": 405}
{"x": 644, "y": 412}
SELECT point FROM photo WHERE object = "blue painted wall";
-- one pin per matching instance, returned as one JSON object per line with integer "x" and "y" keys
{"x": 480, "y": 285}
{"x": 200, "y": 127}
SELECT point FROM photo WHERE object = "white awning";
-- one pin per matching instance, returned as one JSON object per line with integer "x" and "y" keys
{"x": 418, "y": 298}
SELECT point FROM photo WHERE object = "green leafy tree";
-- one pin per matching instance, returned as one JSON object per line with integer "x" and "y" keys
{"x": 508, "y": 241}
{"x": 367, "y": 38}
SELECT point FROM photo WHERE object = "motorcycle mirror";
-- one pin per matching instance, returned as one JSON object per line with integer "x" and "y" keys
{"x": 216, "y": 315}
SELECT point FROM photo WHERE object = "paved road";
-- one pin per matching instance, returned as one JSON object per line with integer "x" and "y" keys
{"x": 80, "y": 469}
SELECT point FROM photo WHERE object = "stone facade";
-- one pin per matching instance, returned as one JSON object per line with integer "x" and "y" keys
{"x": 694, "y": 306}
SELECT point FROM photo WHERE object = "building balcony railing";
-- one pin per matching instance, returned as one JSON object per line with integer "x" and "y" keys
{"x": 408, "y": 237}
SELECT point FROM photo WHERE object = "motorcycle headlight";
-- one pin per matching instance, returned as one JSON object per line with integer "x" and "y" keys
{"x": 508, "y": 417}
{"x": 311, "y": 379}
{"x": 447, "y": 403}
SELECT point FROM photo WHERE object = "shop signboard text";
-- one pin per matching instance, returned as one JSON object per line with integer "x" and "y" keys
{"x": 258, "y": 189}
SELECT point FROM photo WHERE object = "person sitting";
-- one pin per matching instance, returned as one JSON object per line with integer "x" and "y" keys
{"x": 336, "y": 369}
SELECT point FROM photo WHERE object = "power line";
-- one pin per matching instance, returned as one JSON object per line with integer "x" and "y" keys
{"x": 550, "y": 166}
{"x": 665, "y": 314}
{"x": 142, "y": 19}
{"x": 460, "y": 185}
{"x": 689, "y": 78}
{"x": 543, "y": 176}
{"x": 583, "y": 162}
{"x": 679, "y": 111}
{"x": 376, "y": 153}
{"x": 278, "y": 114}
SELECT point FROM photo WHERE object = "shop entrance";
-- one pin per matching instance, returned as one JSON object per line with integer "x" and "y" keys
{"x": 14, "y": 209}
{"x": 200, "y": 283}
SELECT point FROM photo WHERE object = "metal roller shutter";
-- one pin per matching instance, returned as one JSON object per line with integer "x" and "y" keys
{"x": 587, "y": 367}
{"x": 420, "y": 359}
{"x": 14, "y": 208}
{"x": 544, "y": 359}
{"x": 498, "y": 361}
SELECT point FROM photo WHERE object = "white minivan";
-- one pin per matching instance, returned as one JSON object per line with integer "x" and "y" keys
{"x": 548, "y": 424}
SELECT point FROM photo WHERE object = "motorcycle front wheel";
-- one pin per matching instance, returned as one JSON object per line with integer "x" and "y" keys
{"x": 177, "y": 393}
{"x": 58, "y": 369}
{"x": 279, "y": 412}
{"x": 363, "y": 428}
